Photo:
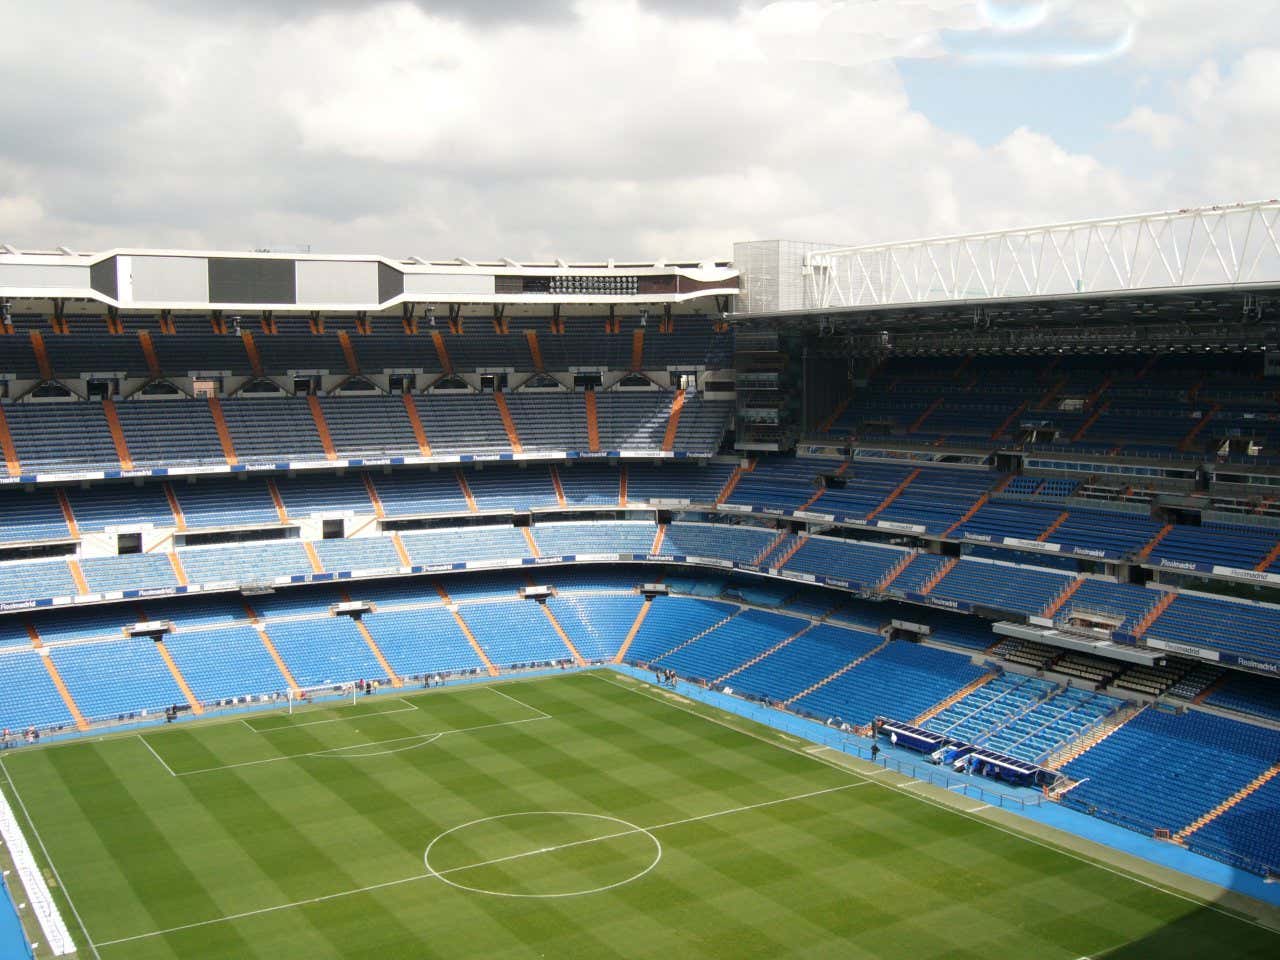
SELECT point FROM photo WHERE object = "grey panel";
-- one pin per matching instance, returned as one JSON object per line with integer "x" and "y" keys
{"x": 102, "y": 277}
{"x": 390, "y": 282}
{"x": 246, "y": 280}
{"x": 169, "y": 279}
{"x": 337, "y": 281}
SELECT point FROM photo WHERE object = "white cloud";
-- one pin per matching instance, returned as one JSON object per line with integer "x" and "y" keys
{"x": 611, "y": 129}
{"x": 1160, "y": 129}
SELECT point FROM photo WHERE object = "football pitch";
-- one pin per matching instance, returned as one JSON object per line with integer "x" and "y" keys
{"x": 574, "y": 816}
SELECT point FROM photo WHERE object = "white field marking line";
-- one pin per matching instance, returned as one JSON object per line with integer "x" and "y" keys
{"x": 419, "y": 737}
{"x": 156, "y": 755}
{"x": 336, "y": 754}
{"x": 924, "y": 798}
{"x": 631, "y": 829}
{"x": 542, "y": 715}
{"x": 468, "y": 866}
{"x": 981, "y": 806}
{"x": 49, "y": 860}
{"x": 313, "y": 723}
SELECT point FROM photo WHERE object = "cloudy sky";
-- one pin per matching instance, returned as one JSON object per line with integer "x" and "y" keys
{"x": 625, "y": 128}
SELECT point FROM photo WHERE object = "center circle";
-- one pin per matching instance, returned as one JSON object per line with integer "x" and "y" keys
{"x": 542, "y": 854}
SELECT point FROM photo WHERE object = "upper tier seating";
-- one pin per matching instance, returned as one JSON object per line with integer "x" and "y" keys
{"x": 274, "y": 430}
{"x": 61, "y": 437}
{"x": 31, "y": 515}
{"x": 563, "y": 539}
{"x": 149, "y": 432}
{"x": 219, "y": 502}
{"x": 367, "y": 427}
{"x": 861, "y": 563}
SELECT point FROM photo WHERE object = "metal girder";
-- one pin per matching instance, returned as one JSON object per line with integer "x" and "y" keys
{"x": 1199, "y": 247}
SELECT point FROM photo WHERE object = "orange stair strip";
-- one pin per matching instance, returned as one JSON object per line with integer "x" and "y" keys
{"x": 1154, "y": 613}
{"x": 1009, "y": 420}
{"x": 179, "y": 571}
{"x": 466, "y": 492}
{"x": 894, "y": 494}
{"x": 658, "y": 538}
{"x": 528, "y": 538}
{"x": 593, "y": 423}
{"x": 442, "y": 352}
{"x": 396, "y": 680}
{"x": 968, "y": 514}
{"x": 374, "y": 499}
{"x": 401, "y": 552}
{"x": 812, "y": 500}
{"x": 1052, "y": 393}
{"x": 622, "y": 485}
{"x": 1058, "y": 521}
{"x": 1270, "y": 558}
{"x": 42, "y": 355}
{"x": 117, "y": 435}
{"x": 727, "y": 490}
{"x": 82, "y": 585}
{"x": 919, "y": 421}
{"x": 1098, "y": 411}
{"x": 564, "y": 637}
{"x": 826, "y": 425}
{"x": 673, "y": 424}
{"x": 1061, "y": 600}
{"x": 149, "y": 352}
{"x": 1200, "y": 425}
{"x": 322, "y": 428}
{"x": 635, "y": 628}
{"x": 271, "y": 648}
{"x": 1253, "y": 786}
{"x": 771, "y": 546}
{"x": 887, "y": 580}
{"x": 224, "y": 434}
{"x": 179, "y": 519}
{"x": 67, "y": 699}
{"x": 927, "y": 587}
{"x": 277, "y": 500}
{"x": 637, "y": 349}
{"x": 791, "y": 552}
{"x": 313, "y": 557}
{"x": 415, "y": 421}
{"x": 837, "y": 674}
{"x": 555, "y": 482}
{"x": 955, "y": 698}
{"x": 251, "y": 349}
{"x": 348, "y": 351}
{"x": 1164, "y": 532}
{"x": 762, "y": 654}
{"x": 535, "y": 351}
{"x": 68, "y": 515}
{"x": 196, "y": 707}
{"x": 7, "y": 446}
{"x": 466, "y": 632}
{"x": 507, "y": 423}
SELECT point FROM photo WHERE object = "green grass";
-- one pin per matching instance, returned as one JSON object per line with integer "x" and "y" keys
{"x": 304, "y": 837}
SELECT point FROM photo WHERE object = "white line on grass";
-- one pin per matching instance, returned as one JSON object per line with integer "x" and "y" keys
{"x": 473, "y": 866}
{"x": 528, "y": 706}
{"x": 49, "y": 860}
{"x": 314, "y": 723}
{"x": 924, "y": 798}
{"x": 421, "y": 739}
{"x": 156, "y": 755}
